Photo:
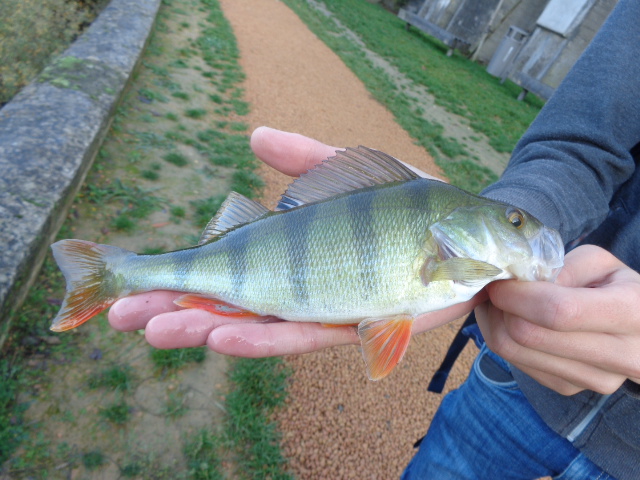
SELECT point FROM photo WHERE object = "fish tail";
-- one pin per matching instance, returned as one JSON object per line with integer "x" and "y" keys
{"x": 92, "y": 285}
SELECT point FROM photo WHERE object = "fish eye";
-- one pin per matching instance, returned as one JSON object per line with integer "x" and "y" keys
{"x": 515, "y": 217}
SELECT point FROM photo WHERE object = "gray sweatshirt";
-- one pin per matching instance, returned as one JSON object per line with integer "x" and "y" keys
{"x": 575, "y": 169}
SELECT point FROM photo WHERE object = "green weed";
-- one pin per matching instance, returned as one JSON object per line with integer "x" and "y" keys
{"x": 93, "y": 460}
{"x": 117, "y": 413}
{"x": 173, "y": 359}
{"x": 181, "y": 95}
{"x": 152, "y": 175}
{"x": 201, "y": 453}
{"x": 123, "y": 223}
{"x": 176, "y": 159}
{"x": 118, "y": 378}
{"x": 175, "y": 406}
{"x": 11, "y": 429}
{"x": 152, "y": 95}
{"x": 178, "y": 211}
{"x": 246, "y": 182}
{"x": 195, "y": 113}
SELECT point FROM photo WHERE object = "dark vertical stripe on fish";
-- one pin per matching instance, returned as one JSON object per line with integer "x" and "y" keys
{"x": 237, "y": 260}
{"x": 296, "y": 231}
{"x": 365, "y": 241}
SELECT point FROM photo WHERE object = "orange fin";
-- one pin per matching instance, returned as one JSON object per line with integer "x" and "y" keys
{"x": 212, "y": 305}
{"x": 91, "y": 286}
{"x": 384, "y": 341}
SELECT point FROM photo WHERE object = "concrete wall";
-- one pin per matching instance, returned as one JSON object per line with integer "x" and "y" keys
{"x": 579, "y": 41}
{"x": 521, "y": 13}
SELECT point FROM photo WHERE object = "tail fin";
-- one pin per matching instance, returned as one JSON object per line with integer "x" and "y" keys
{"x": 91, "y": 286}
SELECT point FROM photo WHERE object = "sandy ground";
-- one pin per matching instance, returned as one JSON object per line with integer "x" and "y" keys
{"x": 336, "y": 423}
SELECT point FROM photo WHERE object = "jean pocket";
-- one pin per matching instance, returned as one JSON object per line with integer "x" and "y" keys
{"x": 493, "y": 370}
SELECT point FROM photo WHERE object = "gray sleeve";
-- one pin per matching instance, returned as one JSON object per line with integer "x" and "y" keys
{"x": 579, "y": 151}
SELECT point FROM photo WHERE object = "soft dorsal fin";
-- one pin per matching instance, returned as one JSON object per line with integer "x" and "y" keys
{"x": 348, "y": 170}
{"x": 236, "y": 210}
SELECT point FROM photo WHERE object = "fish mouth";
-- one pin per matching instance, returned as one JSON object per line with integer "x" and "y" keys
{"x": 548, "y": 258}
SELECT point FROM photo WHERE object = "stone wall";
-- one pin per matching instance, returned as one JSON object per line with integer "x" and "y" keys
{"x": 50, "y": 133}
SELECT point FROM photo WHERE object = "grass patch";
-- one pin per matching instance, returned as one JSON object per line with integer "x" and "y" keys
{"x": 195, "y": 113}
{"x": 152, "y": 175}
{"x": 174, "y": 359}
{"x": 152, "y": 95}
{"x": 259, "y": 387}
{"x": 118, "y": 378}
{"x": 176, "y": 159}
{"x": 117, "y": 413}
{"x": 11, "y": 429}
{"x": 93, "y": 460}
{"x": 201, "y": 453}
{"x": 181, "y": 95}
{"x": 178, "y": 211}
{"x": 246, "y": 182}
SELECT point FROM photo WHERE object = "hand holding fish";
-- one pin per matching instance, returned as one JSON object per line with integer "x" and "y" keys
{"x": 582, "y": 332}
{"x": 359, "y": 240}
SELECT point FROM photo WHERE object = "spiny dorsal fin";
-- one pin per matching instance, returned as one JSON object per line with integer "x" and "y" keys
{"x": 236, "y": 210}
{"x": 348, "y": 170}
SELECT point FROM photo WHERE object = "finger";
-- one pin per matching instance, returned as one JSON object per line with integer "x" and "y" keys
{"x": 577, "y": 373}
{"x": 597, "y": 381}
{"x": 290, "y": 153}
{"x": 188, "y": 328}
{"x": 611, "y": 353}
{"x": 273, "y": 339}
{"x": 609, "y": 308}
{"x": 183, "y": 329}
{"x": 586, "y": 266}
{"x": 133, "y": 313}
{"x": 556, "y": 384}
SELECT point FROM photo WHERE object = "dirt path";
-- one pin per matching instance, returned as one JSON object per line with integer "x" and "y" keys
{"x": 337, "y": 424}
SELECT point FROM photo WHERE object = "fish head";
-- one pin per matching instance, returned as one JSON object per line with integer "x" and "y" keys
{"x": 503, "y": 236}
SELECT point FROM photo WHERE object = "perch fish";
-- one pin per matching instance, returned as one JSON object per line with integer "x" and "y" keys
{"x": 358, "y": 240}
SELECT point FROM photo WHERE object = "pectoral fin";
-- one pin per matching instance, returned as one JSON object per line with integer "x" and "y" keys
{"x": 466, "y": 271}
{"x": 384, "y": 341}
{"x": 212, "y": 305}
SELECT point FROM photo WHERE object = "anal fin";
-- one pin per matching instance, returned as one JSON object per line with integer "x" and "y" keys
{"x": 212, "y": 305}
{"x": 384, "y": 342}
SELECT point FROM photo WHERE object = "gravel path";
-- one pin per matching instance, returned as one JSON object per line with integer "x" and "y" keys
{"x": 336, "y": 423}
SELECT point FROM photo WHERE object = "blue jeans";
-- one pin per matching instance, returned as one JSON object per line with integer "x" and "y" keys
{"x": 487, "y": 429}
